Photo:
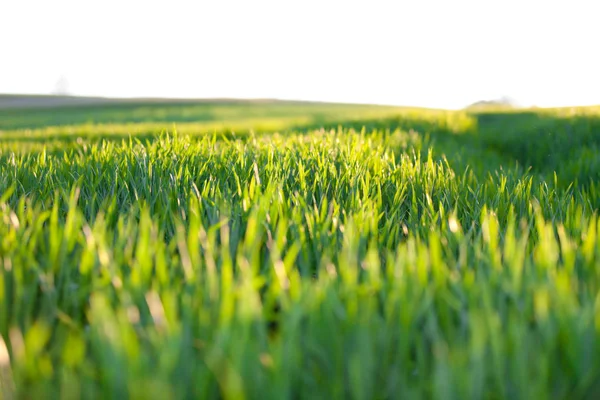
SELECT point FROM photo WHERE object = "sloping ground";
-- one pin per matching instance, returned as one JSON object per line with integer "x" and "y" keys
{"x": 30, "y": 112}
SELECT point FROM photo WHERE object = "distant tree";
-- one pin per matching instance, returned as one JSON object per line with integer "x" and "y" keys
{"x": 61, "y": 87}
{"x": 503, "y": 102}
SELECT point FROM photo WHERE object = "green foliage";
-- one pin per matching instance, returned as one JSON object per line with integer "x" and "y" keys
{"x": 406, "y": 255}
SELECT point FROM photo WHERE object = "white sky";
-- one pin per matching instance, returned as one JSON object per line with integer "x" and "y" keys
{"x": 425, "y": 53}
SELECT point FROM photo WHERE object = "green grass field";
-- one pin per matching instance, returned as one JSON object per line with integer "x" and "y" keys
{"x": 273, "y": 250}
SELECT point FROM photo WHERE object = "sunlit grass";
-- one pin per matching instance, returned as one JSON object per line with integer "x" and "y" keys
{"x": 415, "y": 254}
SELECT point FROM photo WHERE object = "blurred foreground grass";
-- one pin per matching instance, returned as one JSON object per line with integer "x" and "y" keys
{"x": 299, "y": 251}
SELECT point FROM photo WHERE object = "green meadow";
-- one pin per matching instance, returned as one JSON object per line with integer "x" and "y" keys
{"x": 288, "y": 250}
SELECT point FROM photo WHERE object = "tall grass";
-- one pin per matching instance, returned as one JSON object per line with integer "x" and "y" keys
{"x": 343, "y": 263}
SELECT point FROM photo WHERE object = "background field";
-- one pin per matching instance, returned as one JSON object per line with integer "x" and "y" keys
{"x": 267, "y": 249}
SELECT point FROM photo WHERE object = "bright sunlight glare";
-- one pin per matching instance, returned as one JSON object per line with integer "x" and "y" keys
{"x": 423, "y": 53}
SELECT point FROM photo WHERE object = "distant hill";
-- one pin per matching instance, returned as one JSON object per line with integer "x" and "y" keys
{"x": 29, "y": 101}
{"x": 48, "y": 101}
